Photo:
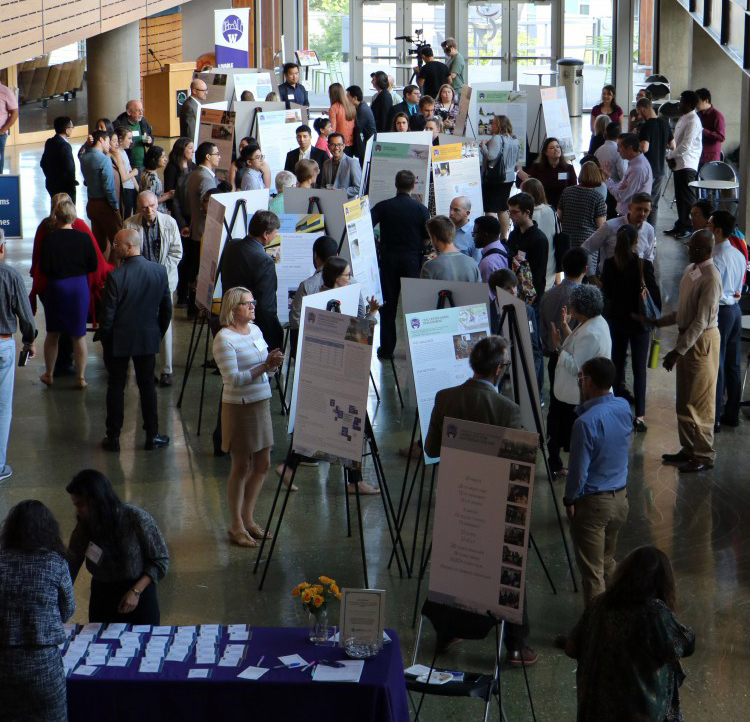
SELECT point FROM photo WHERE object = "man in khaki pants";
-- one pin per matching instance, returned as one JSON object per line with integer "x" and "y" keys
{"x": 596, "y": 498}
{"x": 696, "y": 355}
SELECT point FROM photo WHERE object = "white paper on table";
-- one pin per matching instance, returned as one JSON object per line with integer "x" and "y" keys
{"x": 161, "y": 630}
{"x": 150, "y": 666}
{"x": 205, "y": 660}
{"x": 252, "y": 673}
{"x": 85, "y": 670}
{"x": 198, "y": 673}
{"x": 92, "y": 627}
{"x": 127, "y": 652}
{"x": 239, "y": 636}
{"x": 141, "y": 629}
{"x": 229, "y": 662}
{"x": 237, "y": 628}
{"x": 213, "y": 628}
{"x": 118, "y": 662}
{"x": 192, "y": 629}
{"x": 293, "y": 660}
{"x": 350, "y": 672}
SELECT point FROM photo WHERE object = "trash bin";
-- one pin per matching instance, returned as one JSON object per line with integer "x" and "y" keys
{"x": 570, "y": 74}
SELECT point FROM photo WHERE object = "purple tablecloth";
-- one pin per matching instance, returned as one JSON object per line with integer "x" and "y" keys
{"x": 123, "y": 694}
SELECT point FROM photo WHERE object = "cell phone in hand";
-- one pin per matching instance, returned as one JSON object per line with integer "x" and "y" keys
{"x": 23, "y": 357}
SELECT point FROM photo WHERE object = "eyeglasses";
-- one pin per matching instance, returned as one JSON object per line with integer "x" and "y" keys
{"x": 335, "y": 145}
{"x": 248, "y": 304}
{"x": 216, "y": 153}
{"x": 582, "y": 376}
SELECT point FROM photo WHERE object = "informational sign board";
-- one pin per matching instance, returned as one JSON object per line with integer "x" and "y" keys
{"x": 245, "y": 115}
{"x": 471, "y": 121}
{"x": 219, "y": 87}
{"x": 260, "y": 84}
{"x": 231, "y": 28}
{"x": 291, "y": 251}
{"x": 217, "y": 127}
{"x": 362, "y": 616}
{"x": 482, "y": 518}
{"x": 557, "y": 118}
{"x": 277, "y": 135}
{"x": 456, "y": 171}
{"x": 307, "y": 58}
{"x": 221, "y": 207}
{"x": 348, "y": 299}
{"x": 440, "y": 343}
{"x": 511, "y": 103}
{"x": 390, "y": 158}
{"x": 362, "y": 250}
{"x": 10, "y": 206}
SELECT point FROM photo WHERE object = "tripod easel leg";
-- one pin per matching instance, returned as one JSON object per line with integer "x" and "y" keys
{"x": 425, "y": 556}
{"x": 203, "y": 380}
{"x": 347, "y": 478}
{"x": 189, "y": 359}
{"x": 374, "y": 387}
{"x": 541, "y": 561}
{"x": 398, "y": 386}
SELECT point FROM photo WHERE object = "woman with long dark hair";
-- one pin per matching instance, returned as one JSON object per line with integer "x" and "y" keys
{"x": 36, "y": 599}
{"x": 179, "y": 165}
{"x": 381, "y": 102}
{"x": 608, "y": 106}
{"x": 628, "y": 644}
{"x": 625, "y": 278}
{"x": 552, "y": 169}
{"x": 123, "y": 549}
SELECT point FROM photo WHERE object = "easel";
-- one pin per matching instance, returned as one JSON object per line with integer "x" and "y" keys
{"x": 292, "y": 459}
{"x": 536, "y": 131}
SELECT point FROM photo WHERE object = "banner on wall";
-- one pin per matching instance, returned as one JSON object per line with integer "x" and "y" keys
{"x": 10, "y": 205}
{"x": 231, "y": 29}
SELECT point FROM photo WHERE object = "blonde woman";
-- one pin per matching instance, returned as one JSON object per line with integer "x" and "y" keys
{"x": 502, "y": 147}
{"x": 342, "y": 114}
{"x": 597, "y": 136}
{"x": 307, "y": 173}
{"x": 247, "y": 434}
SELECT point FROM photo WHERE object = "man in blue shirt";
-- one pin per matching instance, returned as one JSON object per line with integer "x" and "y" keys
{"x": 596, "y": 499}
{"x": 291, "y": 90}
{"x": 98, "y": 177}
{"x": 460, "y": 215}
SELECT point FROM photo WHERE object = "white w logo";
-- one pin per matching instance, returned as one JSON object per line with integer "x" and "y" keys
{"x": 232, "y": 37}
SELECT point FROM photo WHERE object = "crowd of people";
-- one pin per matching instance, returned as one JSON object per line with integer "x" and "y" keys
{"x": 577, "y": 248}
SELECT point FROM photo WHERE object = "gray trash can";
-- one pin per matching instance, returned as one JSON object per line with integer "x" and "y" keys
{"x": 570, "y": 76}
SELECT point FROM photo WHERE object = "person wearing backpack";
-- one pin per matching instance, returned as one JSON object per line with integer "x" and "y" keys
{"x": 494, "y": 253}
{"x": 528, "y": 247}
{"x": 501, "y": 154}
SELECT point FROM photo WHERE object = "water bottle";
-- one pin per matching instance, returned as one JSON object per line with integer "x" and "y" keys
{"x": 653, "y": 353}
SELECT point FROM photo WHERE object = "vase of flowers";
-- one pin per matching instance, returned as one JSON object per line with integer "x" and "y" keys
{"x": 315, "y": 599}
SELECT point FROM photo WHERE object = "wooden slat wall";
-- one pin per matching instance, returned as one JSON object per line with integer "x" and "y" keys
{"x": 21, "y": 35}
{"x": 164, "y": 36}
{"x": 67, "y": 21}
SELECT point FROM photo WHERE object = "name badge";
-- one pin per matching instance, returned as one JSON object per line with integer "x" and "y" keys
{"x": 136, "y": 133}
{"x": 93, "y": 553}
{"x": 695, "y": 274}
{"x": 562, "y": 176}
{"x": 521, "y": 255}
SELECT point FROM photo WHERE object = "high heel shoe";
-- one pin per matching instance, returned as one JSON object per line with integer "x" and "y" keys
{"x": 242, "y": 539}
{"x": 639, "y": 426}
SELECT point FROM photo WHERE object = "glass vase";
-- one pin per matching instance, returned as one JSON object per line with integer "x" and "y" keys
{"x": 319, "y": 629}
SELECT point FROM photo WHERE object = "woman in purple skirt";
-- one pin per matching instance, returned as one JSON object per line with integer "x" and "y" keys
{"x": 67, "y": 256}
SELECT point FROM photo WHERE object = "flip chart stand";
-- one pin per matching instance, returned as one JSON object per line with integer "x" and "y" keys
{"x": 514, "y": 336}
{"x": 536, "y": 132}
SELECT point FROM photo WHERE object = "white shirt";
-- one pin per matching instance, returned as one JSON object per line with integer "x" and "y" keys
{"x": 611, "y": 161}
{"x": 688, "y": 142}
{"x": 305, "y": 154}
{"x": 730, "y": 264}
{"x": 604, "y": 240}
{"x": 236, "y": 355}
{"x": 545, "y": 221}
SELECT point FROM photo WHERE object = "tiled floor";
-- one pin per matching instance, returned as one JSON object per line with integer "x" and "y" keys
{"x": 700, "y": 520}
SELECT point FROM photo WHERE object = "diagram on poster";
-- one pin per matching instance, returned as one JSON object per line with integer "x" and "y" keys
{"x": 440, "y": 343}
{"x": 482, "y": 518}
{"x": 259, "y": 84}
{"x": 334, "y": 378}
{"x": 511, "y": 103}
{"x": 277, "y": 135}
{"x": 388, "y": 159}
{"x": 456, "y": 171}
{"x": 557, "y": 118}
{"x": 362, "y": 251}
{"x": 218, "y": 88}
{"x": 217, "y": 127}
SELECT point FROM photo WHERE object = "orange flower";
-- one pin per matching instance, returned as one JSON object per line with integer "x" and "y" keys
{"x": 338, "y": 595}
{"x": 334, "y": 589}
{"x": 295, "y": 592}
{"x": 318, "y": 600}
{"x": 326, "y": 580}
{"x": 307, "y": 595}
{"x": 318, "y": 588}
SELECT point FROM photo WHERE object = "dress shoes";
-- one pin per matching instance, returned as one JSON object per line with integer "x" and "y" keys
{"x": 156, "y": 442}
{"x": 384, "y": 355}
{"x": 682, "y": 234}
{"x": 678, "y": 458}
{"x": 165, "y": 380}
{"x": 109, "y": 443}
{"x": 627, "y": 395}
{"x": 726, "y": 421}
{"x": 639, "y": 426}
{"x": 695, "y": 465}
{"x": 671, "y": 232}
{"x": 522, "y": 657}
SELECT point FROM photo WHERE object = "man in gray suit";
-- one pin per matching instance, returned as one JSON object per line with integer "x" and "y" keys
{"x": 199, "y": 181}
{"x": 340, "y": 171}
{"x": 191, "y": 108}
{"x": 136, "y": 312}
{"x": 478, "y": 399}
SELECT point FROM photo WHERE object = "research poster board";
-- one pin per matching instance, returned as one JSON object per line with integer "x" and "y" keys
{"x": 221, "y": 207}
{"x": 362, "y": 251}
{"x": 334, "y": 361}
{"x": 456, "y": 171}
{"x": 511, "y": 103}
{"x": 557, "y": 118}
{"x": 219, "y": 87}
{"x": 482, "y": 518}
{"x": 527, "y": 401}
{"x": 277, "y": 135}
{"x": 464, "y": 103}
{"x": 440, "y": 343}
{"x": 471, "y": 121}
{"x": 245, "y": 115}
{"x": 259, "y": 83}
{"x": 348, "y": 298}
{"x": 217, "y": 127}
{"x": 291, "y": 251}
{"x": 363, "y": 182}
{"x": 388, "y": 159}
{"x": 330, "y": 202}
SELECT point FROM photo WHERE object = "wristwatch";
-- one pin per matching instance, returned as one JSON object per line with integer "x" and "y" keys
{"x": 136, "y": 592}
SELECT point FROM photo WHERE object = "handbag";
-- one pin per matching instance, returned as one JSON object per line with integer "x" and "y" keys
{"x": 646, "y": 305}
{"x": 495, "y": 174}
{"x": 560, "y": 243}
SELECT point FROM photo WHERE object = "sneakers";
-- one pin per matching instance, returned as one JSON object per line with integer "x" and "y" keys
{"x": 156, "y": 442}
{"x": 6, "y": 473}
{"x": 522, "y": 657}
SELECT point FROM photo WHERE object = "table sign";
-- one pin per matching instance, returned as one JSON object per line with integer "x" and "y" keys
{"x": 362, "y": 616}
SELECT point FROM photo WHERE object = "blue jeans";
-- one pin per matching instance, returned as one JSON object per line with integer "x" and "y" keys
{"x": 3, "y": 138}
{"x": 7, "y": 375}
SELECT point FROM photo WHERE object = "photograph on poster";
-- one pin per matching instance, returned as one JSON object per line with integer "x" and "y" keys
{"x": 510, "y": 577}
{"x": 515, "y": 515}
{"x": 217, "y": 126}
{"x": 463, "y": 343}
{"x": 217, "y": 86}
{"x": 512, "y": 556}
{"x": 518, "y": 450}
{"x": 517, "y": 493}
{"x": 456, "y": 171}
{"x": 509, "y": 598}
{"x": 511, "y": 103}
{"x": 520, "y": 472}
{"x": 515, "y": 536}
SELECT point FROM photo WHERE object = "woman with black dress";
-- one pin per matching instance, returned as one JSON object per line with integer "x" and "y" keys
{"x": 625, "y": 278}
{"x": 66, "y": 259}
{"x": 179, "y": 164}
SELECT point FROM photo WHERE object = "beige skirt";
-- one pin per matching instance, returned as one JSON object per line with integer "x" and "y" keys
{"x": 246, "y": 428}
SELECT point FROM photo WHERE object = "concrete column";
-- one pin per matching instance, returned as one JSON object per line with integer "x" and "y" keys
{"x": 675, "y": 45}
{"x": 743, "y": 212}
{"x": 113, "y": 74}
{"x": 622, "y": 70}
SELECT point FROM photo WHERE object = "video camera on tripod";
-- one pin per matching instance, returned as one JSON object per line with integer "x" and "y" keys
{"x": 419, "y": 44}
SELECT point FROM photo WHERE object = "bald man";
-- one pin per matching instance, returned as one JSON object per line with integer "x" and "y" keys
{"x": 460, "y": 215}
{"x": 696, "y": 356}
{"x": 143, "y": 138}
{"x": 191, "y": 108}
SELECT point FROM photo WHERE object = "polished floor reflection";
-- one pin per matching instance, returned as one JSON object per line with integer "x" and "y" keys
{"x": 701, "y": 520}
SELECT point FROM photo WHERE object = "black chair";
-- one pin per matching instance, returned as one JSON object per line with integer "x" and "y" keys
{"x": 449, "y": 623}
{"x": 719, "y": 170}
{"x": 659, "y": 91}
{"x": 658, "y": 79}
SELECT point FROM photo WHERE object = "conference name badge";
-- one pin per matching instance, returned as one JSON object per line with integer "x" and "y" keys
{"x": 562, "y": 176}
{"x": 136, "y": 133}
{"x": 93, "y": 553}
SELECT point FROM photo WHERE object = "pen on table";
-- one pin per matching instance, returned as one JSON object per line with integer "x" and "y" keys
{"x": 309, "y": 664}
{"x": 260, "y": 661}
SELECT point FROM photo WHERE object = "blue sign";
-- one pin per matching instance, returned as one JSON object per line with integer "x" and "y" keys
{"x": 231, "y": 29}
{"x": 10, "y": 205}
{"x": 231, "y": 45}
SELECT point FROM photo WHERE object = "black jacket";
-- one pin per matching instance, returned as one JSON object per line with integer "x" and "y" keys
{"x": 316, "y": 154}
{"x": 246, "y": 263}
{"x": 536, "y": 247}
{"x": 402, "y": 107}
{"x": 136, "y": 308}
{"x": 622, "y": 292}
{"x": 58, "y": 166}
{"x": 402, "y": 225}
{"x": 381, "y": 107}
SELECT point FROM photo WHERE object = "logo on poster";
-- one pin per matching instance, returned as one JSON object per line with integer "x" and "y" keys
{"x": 232, "y": 29}
{"x": 415, "y": 323}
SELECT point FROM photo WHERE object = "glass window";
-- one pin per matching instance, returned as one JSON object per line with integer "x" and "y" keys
{"x": 485, "y": 42}
{"x": 328, "y": 34}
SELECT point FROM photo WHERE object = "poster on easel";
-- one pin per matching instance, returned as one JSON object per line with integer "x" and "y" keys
{"x": 456, "y": 171}
{"x": 503, "y": 85}
{"x": 440, "y": 343}
{"x": 291, "y": 251}
{"x": 219, "y": 89}
{"x": 482, "y": 518}
{"x": 511, "y": 103}
{"x": 277, "y": 135}
{"x": 260, "y": 84}
{"x": 464, "y": 103}
{"x": 245, "y": 116}
{"x": 388, "y": 159}
{"x": 557, "y": 118}
{"x": 217, "y": 127}
{"x": 362, "y": 250}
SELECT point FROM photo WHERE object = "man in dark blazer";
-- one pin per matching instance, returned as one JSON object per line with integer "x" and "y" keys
{"x": 246, "y": 263}
{"x": 136, "y": 312}
{"x": 306, "y": 151}
{"x": 191, "y": 108}
{"x": 478, "y": 399}
{"x": 57, "y": 160}
{"x": 409, "y": 105}
{"x": 340, "y": 171}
